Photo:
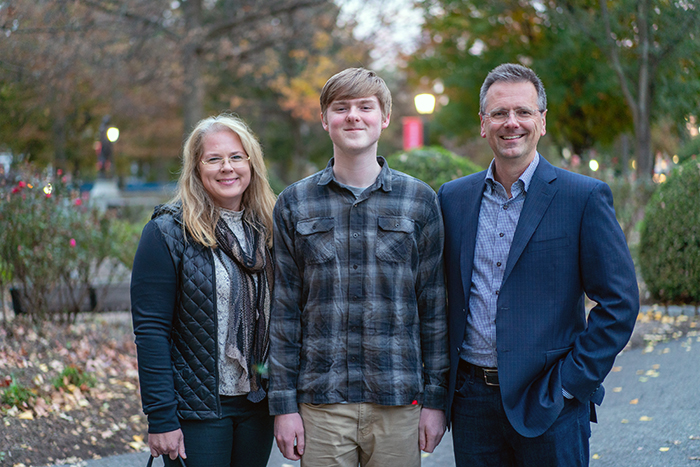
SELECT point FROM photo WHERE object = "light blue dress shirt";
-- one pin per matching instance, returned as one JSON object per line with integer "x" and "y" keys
{"x": 498, "y": 219}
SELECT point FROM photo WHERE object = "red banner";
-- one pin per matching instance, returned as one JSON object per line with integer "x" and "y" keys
{"x": 412, "y": 133}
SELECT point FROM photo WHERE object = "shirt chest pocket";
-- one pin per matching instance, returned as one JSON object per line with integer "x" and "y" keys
{"x": 394, "y": 238}
{"x": 316, "y": 242}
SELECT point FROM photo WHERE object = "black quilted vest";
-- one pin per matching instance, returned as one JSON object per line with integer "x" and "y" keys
{"x": 194, "y": 348}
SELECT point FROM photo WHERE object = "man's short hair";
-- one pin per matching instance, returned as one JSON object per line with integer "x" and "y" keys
{"x": 354, "y": 83}
{"x": 513, "y": 73}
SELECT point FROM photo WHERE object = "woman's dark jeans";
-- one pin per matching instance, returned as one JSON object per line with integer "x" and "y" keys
{"x": 241, "y": 438}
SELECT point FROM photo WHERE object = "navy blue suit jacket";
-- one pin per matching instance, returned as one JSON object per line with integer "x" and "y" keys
{"x": 567, "y": 244}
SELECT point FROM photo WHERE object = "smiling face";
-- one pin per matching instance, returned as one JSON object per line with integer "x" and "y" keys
{"x": 225, "y": 184}
{"x": 513, "y": 142}
{"x": 354, "y": 125}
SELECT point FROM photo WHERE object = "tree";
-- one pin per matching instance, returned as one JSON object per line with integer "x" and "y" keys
{"x": 156, "y": 64}
{"x": 64, "y": 67}
{"x": 648, "y": 43}
{"x": 202, "y": 32}
{"x": 598, "y": 87}
{"x": 464, "y": 40}
{"x": 279, "y": 89}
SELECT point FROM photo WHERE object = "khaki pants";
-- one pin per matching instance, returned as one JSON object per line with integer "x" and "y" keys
{"x": 343, "y": 435}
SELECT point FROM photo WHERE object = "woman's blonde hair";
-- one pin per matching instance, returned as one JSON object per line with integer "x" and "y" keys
{"x": 199, "y": 213}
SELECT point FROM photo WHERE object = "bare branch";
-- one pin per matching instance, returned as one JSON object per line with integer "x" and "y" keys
{"x": 611, "y": 47}
{"x": 224, "y": 26}
{"x": 123, "y": 13}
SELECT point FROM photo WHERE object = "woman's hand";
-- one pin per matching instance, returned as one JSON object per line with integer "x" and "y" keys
{"x": 170, "y": 444}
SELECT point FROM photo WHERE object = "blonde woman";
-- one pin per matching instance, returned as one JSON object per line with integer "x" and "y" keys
{"x": 200, "y": 294}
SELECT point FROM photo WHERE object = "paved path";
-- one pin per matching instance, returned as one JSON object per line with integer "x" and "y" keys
{"x": 650, "y": 416}
{"x": 442, "y": 457}
{"x": 651, "y": 413}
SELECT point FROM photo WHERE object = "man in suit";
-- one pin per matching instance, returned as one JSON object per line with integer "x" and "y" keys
{"x": 525, "y": 242}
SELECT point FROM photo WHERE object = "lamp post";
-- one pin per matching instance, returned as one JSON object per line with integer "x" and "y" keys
{"x": 105, "y": 192}
{"x": 108, "y": 136}
{"x": 425, "y": 105}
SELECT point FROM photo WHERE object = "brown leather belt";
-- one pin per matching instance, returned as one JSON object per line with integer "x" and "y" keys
{"x": 489, "y": 375}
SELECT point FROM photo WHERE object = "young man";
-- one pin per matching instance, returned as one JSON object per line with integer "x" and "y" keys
{"x": 524, "y": 242}
{"x": 358, "y": 357}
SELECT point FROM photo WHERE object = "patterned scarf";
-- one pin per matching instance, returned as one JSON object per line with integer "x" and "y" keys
{"x": 248, "y": 336}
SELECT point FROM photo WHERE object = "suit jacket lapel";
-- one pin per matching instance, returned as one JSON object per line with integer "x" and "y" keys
{"x": 472, "y": 206}
{"x": 539, "y": 196}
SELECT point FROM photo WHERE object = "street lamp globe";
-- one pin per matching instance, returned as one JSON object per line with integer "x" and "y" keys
{"x": 113, "y": 134}
{"x": 425, "y": 103}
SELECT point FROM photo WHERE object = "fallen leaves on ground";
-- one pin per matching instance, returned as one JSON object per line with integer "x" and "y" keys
{"x": 653, "y": 328}
{"x": 68, "y": 423}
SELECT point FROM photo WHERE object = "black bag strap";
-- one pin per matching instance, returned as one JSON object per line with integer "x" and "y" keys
{"x": 150, "y": 461}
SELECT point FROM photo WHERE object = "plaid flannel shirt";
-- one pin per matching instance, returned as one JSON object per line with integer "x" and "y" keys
{"x": 359, "y": 311}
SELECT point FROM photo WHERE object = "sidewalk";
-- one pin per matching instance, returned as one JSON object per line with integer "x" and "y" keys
{"x": 442, "y": 457}
{"x": 650, "y": 415}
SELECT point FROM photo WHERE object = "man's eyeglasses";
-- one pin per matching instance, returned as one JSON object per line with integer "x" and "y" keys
{"x": 521, "y": 115}
{"x": 217, "y": 162}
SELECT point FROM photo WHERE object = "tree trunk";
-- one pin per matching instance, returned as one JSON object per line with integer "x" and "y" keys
{"x": 625, "y": 155}
{"x": 639, "y": 103}
{"x": 643, "y": 151}
{"x": 193, "y": 95}
{"x": 642, "y": 121}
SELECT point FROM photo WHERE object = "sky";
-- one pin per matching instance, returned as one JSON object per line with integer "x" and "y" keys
{"x": 400, "y": 34}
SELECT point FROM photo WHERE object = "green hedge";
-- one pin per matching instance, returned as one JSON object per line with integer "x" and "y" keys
{"x": 669, "y": 250}
{"x": 690, "y": 150}
{"x": 434, "y": 165}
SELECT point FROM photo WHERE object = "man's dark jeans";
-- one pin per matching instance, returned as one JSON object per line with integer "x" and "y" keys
{"x": 483, "y": 436}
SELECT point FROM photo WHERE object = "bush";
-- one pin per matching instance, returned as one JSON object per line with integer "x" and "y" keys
{"x": 669, "y": 250}
{"x": 434, "y": 165}
{"x": 690, "y": 150}
{"x": 53, "y": 244}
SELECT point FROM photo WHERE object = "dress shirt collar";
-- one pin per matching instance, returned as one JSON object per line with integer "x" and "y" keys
{"x": 525, "y": 177}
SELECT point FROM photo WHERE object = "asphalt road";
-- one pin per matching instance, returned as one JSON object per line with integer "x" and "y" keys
{"x": 650, "y": 416}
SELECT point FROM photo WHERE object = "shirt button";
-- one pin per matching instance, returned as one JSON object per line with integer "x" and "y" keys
{"x": 497, "y": 292}
{"x": 505, "y": 207}
{"x": 355, "y": 235}
{"x": 498, "y": 264}
{"x": 501, "y": 234}
{"x": 354, "y": 266}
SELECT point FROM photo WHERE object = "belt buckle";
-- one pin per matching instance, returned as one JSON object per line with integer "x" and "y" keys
{"x": 491, "y": 377}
